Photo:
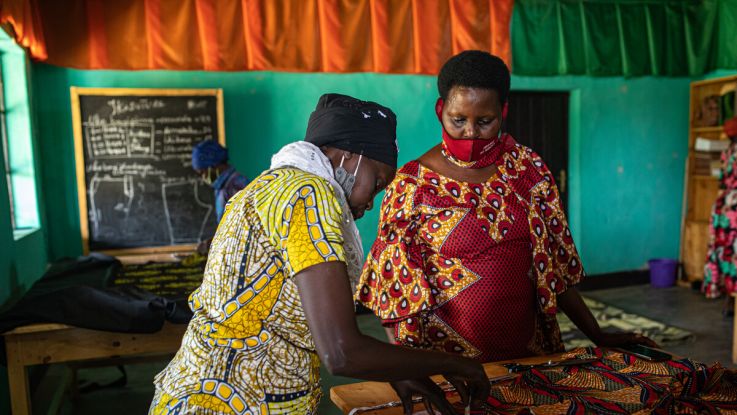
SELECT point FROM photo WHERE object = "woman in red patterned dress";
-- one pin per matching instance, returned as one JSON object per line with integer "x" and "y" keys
{"x": 720, "y": 271}
{"x": 474, "y": 255}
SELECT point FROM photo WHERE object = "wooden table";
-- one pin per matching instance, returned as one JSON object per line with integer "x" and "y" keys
{"x": 55, "y": 343}
{"x": 366, "y": 394}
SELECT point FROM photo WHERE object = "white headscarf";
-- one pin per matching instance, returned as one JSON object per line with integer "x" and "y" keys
{"x": 309, "y": 158}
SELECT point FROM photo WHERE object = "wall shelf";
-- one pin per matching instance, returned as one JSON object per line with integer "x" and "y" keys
{"x": 703, "y": 177}
{"x": 717, "y": 129}
{"x": 701, "y": 190}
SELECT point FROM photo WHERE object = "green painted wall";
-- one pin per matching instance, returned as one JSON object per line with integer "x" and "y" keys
{"x": 627, "y": 146}
{"x": 628, "y": 150}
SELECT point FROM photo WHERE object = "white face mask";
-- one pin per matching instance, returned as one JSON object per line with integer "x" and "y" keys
{"x": 346, "y": 180}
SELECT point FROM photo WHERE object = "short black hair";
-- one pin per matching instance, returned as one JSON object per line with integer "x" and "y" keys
{"x": 474, "y": 69}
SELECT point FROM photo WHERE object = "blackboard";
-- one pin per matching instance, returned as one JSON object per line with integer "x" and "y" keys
{"x": 137, "y": 190}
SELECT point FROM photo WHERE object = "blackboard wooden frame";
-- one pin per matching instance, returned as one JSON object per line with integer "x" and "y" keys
{"x": 76, "y": 93}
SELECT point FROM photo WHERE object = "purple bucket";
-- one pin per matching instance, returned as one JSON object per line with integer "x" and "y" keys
{"x": 663, "y": 272}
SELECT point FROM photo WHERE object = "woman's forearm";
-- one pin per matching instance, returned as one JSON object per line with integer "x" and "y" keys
{"x": 571, "y": 302}
{"x": 371, "y": 359}
{"x": 325, "y": 294}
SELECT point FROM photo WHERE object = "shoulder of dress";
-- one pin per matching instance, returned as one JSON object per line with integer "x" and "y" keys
{"x": 290, "y": 180}
{"x": 526, "y": 169}
{"x": 521, "y": 152}
{"x": 411, "y": 168}
{"x": 406, "y": 179}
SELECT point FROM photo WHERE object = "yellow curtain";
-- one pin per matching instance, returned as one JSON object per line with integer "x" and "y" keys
{"x": 391, "y": 36}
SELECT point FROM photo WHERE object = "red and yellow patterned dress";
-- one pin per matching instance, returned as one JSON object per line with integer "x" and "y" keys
{"x": 720, "y": 271}
{"x": 473, "y": 268}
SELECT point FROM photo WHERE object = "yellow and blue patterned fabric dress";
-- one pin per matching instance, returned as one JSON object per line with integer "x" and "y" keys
{"x": 248, "y": 349}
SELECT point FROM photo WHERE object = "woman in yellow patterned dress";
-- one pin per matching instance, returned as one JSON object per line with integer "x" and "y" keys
{"x": 276, "y": 299}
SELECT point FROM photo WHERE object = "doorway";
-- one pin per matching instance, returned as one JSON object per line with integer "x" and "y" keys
{"x": 539, "y": 120}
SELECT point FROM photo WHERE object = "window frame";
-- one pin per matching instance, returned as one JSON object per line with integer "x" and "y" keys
{"x": 17, "y": 141}
{"x": 8, "y": 171}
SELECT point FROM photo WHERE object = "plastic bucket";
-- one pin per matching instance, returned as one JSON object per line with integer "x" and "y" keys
{"x": 663, "y": 272}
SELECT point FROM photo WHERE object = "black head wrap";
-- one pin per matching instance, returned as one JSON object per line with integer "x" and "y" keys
{"x": 361, "y": 127}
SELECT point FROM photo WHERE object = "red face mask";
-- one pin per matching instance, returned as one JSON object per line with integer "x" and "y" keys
{"x": 477, "y": 153}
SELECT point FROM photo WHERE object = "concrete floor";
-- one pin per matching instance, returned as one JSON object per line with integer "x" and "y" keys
{"x": 680, "y": 307}
{"x": 683, "y": 308}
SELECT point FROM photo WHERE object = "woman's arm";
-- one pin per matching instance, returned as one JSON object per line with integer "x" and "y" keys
{"x": 572, "y": 304}
{"x": 328, "y": 305}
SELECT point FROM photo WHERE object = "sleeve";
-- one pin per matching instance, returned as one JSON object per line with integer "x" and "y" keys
{"x": 309, "y": 228}
{"x": 556, "y": 258}
{"x": 393, "y": 283}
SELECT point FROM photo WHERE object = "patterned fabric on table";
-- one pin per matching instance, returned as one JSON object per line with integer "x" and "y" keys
{"x": 173, "y": 280}
{"x": 248, "y": 349}
{"x": 720, "y": 271}
{"x": 473, "y": 268}
{"x": 617, "y": 384}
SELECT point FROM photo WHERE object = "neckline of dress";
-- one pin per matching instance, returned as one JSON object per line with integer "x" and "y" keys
{"x": 498, "y": 174}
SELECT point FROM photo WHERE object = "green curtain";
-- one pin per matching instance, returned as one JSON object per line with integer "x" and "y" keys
{"x": 623, "y": 37}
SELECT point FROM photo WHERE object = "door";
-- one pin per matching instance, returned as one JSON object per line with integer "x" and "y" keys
{"x": 539, "y": 120}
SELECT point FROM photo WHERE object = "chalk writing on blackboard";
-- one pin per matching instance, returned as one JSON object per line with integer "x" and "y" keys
{"x": 138, "y": 184}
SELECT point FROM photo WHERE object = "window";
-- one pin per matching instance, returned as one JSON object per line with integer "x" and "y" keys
{"x": 15, "y": 133}
{"x": 6, "y": 159}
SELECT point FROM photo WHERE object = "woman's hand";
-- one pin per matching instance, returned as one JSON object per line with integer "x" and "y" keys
{"x": 431, "y": 395}
{"x": 471, "y": 383}
{"x": 474, "y": 385}
{"x": 622, "y": 339}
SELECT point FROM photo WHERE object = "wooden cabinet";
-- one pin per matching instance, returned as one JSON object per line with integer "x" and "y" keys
{"x": 695, "y": 241}
{"x": 701, "y": 188}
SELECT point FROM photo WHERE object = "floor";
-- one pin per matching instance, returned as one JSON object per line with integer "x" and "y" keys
{"x": 676, "y": 306}
{"x": 683, "y": 308}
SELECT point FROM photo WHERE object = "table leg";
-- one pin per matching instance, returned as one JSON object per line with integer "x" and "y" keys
{"x": 20, "y": 399}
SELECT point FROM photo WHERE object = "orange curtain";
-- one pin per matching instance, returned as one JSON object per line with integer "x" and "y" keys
{"x": 391, "y": 36}
{"x": 20, "y": 18}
